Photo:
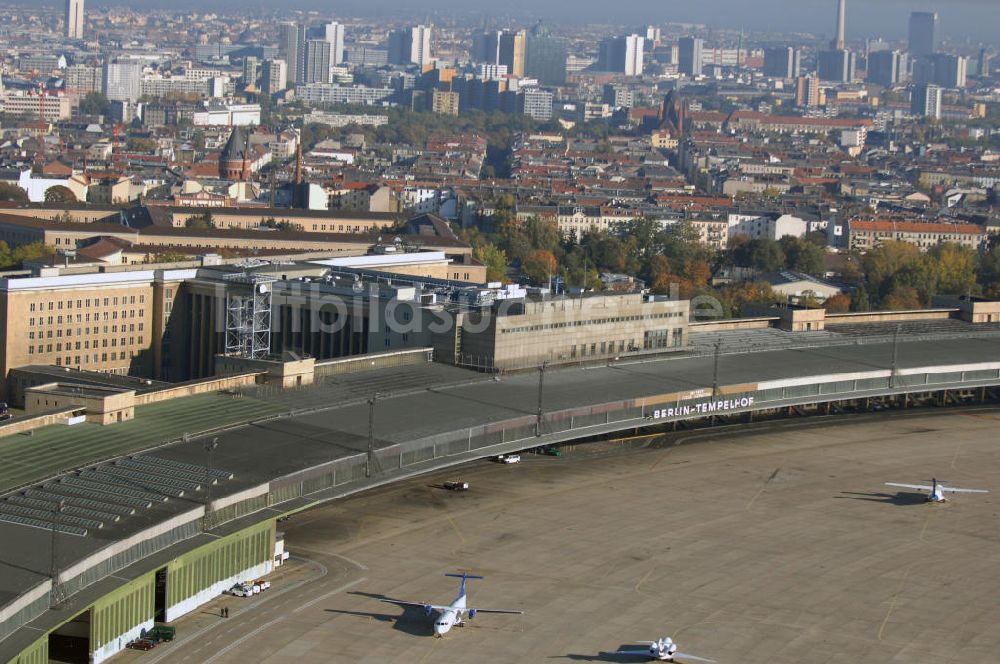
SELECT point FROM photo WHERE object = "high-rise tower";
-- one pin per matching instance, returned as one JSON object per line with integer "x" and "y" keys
{"x": 74, "y": 19}
{"x": 838, "y": 43}
{"x": 923, "y": 33}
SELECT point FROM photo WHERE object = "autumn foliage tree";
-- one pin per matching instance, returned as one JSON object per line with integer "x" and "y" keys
{"x": 837, "y": 304}
{"x": 539, "y": 265}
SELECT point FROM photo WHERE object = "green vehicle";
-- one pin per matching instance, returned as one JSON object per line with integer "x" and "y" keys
{"x": 162, "y": 633}
{"x": 548, "y": 450}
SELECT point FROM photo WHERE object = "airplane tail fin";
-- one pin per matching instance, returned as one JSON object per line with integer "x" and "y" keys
{"x": 464, "y": 576}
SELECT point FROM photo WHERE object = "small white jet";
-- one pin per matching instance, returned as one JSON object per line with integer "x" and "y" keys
{"x": 454, "y": 613}
{"x": 936, "y": 490}
{"x": 663, "y": 650}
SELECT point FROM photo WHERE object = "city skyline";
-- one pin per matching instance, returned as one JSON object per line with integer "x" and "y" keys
{"x": 972, "y": 19}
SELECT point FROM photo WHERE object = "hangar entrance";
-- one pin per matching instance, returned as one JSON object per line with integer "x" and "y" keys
{"x": 160, "y": 596}
{"x": 70, "y": 642}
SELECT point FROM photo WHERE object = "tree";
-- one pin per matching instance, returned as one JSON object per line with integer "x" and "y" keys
{"x": 60, "y": 194}
{"x": 803, "y": 256}
{"x": 539, "y": 265}
{"x": 767, "y": 256}
{"x": 735, "y": 296}
{"x": 837, "y": 304}
{"x": 26, "y": 252}
{"x": 6, "y": 255}
{"x": 139, "y": 144}
{"x": 494, "y": 258}
{"x": 989, "y": 269}
{"x": 860, "y": 301}
{"x": 698, "y": 272}
{"x": 902, "y": 298}
{"x": 94, "y": 103}
{"x": 201, "y": 221}
{"x": 11, "y": 192}
{"x": 955, "y": 267}
{"x": 170, "y": 257}
{"x": 283, "y": 225}
{"x": 881, "y": 263}
{"x": 661, "y": 277}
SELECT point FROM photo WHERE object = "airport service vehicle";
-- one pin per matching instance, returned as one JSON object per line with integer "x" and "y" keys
{"x": 509, "y": 458}
{"x": 241, "y": 590}
{"x": 456, "y": 485}
{"x": 451, "y": 614}
{"x": 262, "y": 584}
{"x": 664, "y": 650}
{"x": 161, "y": 633}
{"x": 936, "y": 490}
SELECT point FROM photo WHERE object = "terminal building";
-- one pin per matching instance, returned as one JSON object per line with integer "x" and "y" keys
{"x": 172, "y": 324}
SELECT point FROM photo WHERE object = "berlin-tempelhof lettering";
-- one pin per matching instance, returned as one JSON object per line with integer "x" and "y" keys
{"x": 703, "y": 408}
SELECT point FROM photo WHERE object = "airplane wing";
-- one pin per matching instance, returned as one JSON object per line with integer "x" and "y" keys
{"x": 957, "y": 490}
{"x": 478, "y": 610}
{"x": 919, "y": 487}
{"x": 637, "y": 653}
{"x": 684, "y": 657}
{"x": 422, "y": 605}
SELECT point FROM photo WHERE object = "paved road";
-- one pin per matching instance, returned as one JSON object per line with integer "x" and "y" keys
{"x": 773, "y": 544}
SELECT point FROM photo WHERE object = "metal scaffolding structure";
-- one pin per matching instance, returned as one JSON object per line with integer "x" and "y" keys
{"x": 248, "y": 315}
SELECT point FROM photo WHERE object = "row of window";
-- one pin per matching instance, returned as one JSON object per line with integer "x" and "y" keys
{"x": 595, "y": 321}
{"x": 652, "y": 340}
{"x": 341, "y": 229}
{"x": 74, "y": 360}
{"x": 47, "y": 348}
{"x": 81, "y": 303}
{"x": 85, "y": 318}
{"x": 47, "y": 334}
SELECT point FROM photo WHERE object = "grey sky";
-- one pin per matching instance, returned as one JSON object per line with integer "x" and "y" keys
{"x": 962, "y": 21}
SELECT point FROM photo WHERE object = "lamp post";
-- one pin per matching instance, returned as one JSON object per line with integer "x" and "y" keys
{"x": 715, "y": 369}
{"x": 541, "y": 392}
{"x": 209, "y": 449}
{"x": 371, "y": 435}
{"x": 895, "y": 357}
{"x": 54, "y": 594}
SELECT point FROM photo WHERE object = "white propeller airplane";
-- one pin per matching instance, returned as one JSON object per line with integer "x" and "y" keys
{"x": 664, "y": 650}
{"x": 936, "y": 490}
{"x": 454, "y": 613}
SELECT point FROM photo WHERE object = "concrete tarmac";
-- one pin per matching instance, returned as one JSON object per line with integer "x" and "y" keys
{"x": 767, "y": 544}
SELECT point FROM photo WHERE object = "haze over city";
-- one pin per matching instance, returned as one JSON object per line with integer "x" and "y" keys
{"x": 961, "y": 19}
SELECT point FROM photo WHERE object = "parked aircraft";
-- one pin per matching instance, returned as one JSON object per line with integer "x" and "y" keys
{"x": 936, "y": 490}
{"x": 454, "y": 613}
{"x": 664, "y": 650}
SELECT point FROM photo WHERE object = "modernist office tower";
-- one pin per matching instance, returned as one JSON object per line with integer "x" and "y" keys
{"x": 923, "y": 33}
{"x": 74, "y": 19}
